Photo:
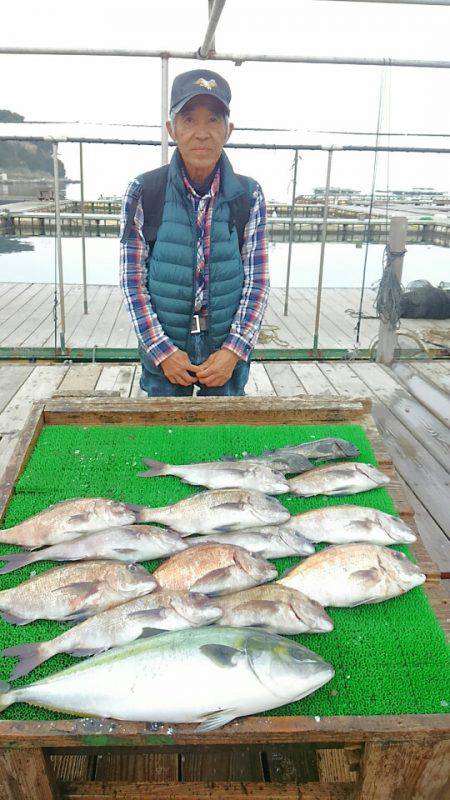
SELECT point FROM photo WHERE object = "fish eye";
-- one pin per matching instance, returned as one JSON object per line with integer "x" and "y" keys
{"x": 132, "y": 567}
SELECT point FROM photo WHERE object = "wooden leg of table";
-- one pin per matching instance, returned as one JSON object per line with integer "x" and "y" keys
{"x": 407, "y": 771}
{"x": 26, "y": 775}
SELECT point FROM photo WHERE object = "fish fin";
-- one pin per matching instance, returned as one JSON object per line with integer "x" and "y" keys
{"x": 78, "y": 518}
{"x": 82, "y": 652}
{"x": 215, "y": 720}
{"x": 13, "y": 619}
{"x": 156, "y": 468}
{"x": 221, "y": 654}
{"x": 16, "y": 561}
{"x": 343, "y": 490}
{"x": 147, "y": 632}
{"x": 368, "y": 575}
{"x": 368, "y": 524}
{"x": 232, "y": 507}
{"x": 5, "y": 688}
{"x": 151, "y": 614}
{"x": 217, "y": 578}
{"x": 223, "y": 529}
{"x": 83, "y": 589}
{"x": 288, "y": 571}
{"x": 124, "y": 551}
{"x": 80, "y": 615}
{"x": 29, "y": 655}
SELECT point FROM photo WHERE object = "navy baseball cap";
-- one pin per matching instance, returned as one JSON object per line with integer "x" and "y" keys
{"x": 198, "y": 82}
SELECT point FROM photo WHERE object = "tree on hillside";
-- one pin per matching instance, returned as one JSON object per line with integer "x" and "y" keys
{"x": 24, "y": 158}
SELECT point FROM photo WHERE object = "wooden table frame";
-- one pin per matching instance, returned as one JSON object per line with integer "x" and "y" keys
{"x": 402, "y": 757}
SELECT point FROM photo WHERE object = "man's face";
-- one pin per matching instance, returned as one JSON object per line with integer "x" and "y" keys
{"x": 200, "y": 131}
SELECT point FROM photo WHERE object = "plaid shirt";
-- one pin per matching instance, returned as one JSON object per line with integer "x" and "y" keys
{"x": 133, "y": 273}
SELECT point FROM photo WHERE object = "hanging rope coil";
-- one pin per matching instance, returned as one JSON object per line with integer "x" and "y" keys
{"x": 389, "y": 295}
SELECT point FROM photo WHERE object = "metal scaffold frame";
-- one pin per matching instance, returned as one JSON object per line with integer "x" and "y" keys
{"x": 207, "y": 52}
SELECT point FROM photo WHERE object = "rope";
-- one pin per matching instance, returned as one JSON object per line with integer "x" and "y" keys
{"x": 389, "y": 295}
{"x": 268, "y": 334}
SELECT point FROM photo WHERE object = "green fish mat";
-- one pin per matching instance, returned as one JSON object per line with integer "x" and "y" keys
{"x": 389, "y": 658}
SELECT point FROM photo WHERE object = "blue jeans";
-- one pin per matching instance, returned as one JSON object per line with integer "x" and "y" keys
{"x": 155, "y": 384}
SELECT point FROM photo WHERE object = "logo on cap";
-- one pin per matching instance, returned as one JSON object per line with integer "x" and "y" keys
{"x": 206, "y": 84}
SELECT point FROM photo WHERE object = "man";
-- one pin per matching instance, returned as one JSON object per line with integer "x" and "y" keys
{"x": 194, "y": 266}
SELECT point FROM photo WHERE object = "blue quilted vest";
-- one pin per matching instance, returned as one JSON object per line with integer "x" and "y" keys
{"x": 172, "y": 263}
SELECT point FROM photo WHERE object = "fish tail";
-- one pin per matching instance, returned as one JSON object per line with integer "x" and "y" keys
{"x": 17, "y": 560}
{"x": 6, "y": 695}
{"x": 29, "y": 655}
{"x": 156, "y": 468}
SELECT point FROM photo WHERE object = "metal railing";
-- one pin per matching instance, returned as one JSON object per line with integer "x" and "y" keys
{"x": 294, "y": 148}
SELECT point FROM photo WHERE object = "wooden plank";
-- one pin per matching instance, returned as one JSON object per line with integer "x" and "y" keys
{"x": 344, "y": 380}
{"x": 264, "y": 731}
{"x": 294, "y": 335}
{"x": 393, "y": 771}
{"x": 312, "y": 378}
{"x": 432, "y": 536}
{"x": 233, "y": 764}
{"x": 81, "y": 333}
{"x": 8, "y": 291}
{"x": 39, "y": 385}
{"x": 411, "y": 459}
{"x": 25, "y": 774}
{"x": 437, "y": 372}
{"x": 292, "y": 763}
{"x": 137, "y": 767}
{"x": 44, "y": 335}
{"x": 136, "y": 392}
{"x": 437, "y": 401}
{"x": 434, "y": 782}
{"x": 31, "y": 323}
{"x": 12, "y": 377}
{"x": 261, "y": 381}
{"x": 11, "y": 304}
{"x": 122, "y": 334}
{"x": 106, "y": 320}
{"x": 116, "y": 378}
{"x": 283, "y": 379}
{"x": 339, "y": 765}
{"x": 201, "y": 410}
{"x": 80, "y": 381}
{"x": 74, "y": 312}
{"x": 23, "y": 447}
{"x": 72, "y": 767}
{"x": 204, "y": 791}
{"x": 24, "y": 318}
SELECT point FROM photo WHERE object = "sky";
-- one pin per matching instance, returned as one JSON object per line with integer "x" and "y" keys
{"x": 305, "y": 97}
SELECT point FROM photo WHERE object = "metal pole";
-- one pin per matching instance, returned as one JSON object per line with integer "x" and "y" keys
{"x": 62, "y": 334}
{"x": 214, "y": 17}
{"x": 291, "y": 233}
{"x": 237, "y": 58}
{"x": 164, "y": 109}
{"x": 322, "y": 253}
{"x": 83, "y": 232}
{"x": 230, "y": 145}
{"x": 212, "y": 44}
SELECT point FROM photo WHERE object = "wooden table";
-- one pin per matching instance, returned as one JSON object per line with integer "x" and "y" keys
{"x": 403, "y": 757}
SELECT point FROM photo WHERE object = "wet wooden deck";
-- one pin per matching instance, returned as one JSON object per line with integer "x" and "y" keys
{"x": 411, "y": 406}
{"x": 26, "y": 319}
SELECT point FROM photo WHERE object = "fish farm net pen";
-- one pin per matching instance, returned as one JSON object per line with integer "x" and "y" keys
{"x": 390, "y": 658}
